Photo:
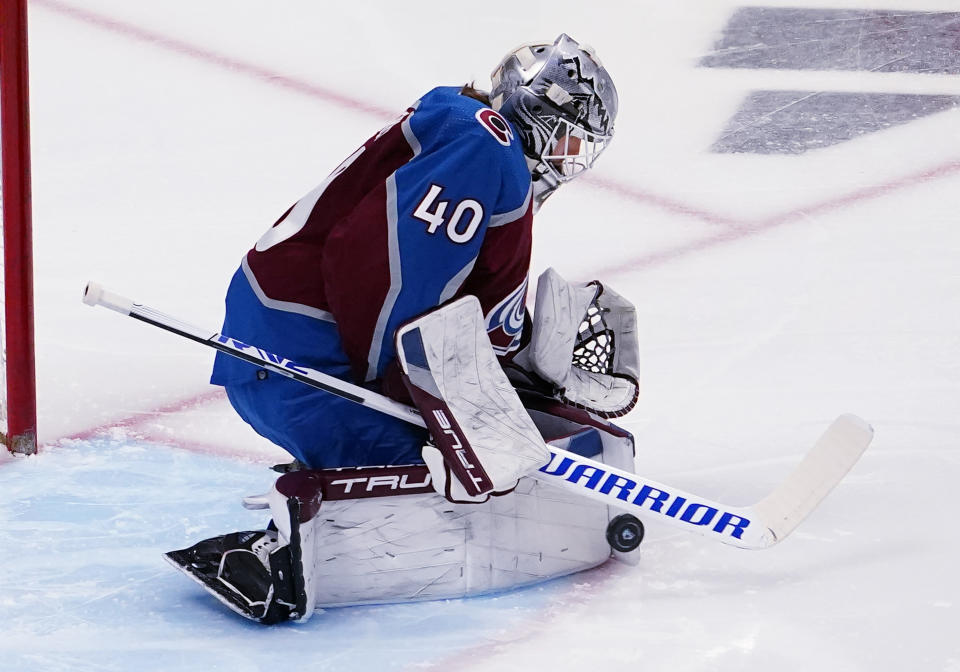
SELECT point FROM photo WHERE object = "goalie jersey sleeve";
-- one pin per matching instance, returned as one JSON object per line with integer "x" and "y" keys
{"x": 435, "y": 206}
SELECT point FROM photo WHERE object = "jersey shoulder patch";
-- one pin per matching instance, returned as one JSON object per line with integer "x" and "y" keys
{"x": 496, "y": 125}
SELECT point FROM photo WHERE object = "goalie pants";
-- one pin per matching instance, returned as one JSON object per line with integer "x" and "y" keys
{"x": 322, "y": 430}
{"x": 316, "y": 427}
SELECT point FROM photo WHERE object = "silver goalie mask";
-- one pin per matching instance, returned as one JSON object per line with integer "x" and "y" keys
{"x": 562, "y": 102}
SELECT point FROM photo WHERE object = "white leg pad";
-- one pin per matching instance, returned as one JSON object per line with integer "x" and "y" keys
{"x": 422, "y": 547}
{"x": 413, "y": 547}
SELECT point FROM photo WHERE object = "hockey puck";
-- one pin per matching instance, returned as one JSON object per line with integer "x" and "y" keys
{"x": 624, "y": 533}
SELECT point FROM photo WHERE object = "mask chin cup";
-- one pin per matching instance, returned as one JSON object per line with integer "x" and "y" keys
{"x": 544, "y": 184}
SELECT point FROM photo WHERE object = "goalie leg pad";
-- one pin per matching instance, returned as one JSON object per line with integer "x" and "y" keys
{"x": 392, "y": 547}
{"x": 422, "y": 547}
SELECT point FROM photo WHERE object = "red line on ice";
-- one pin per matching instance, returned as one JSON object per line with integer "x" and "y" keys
{"x": 137, "y": 422}
{"x": 246, "y": 454}
{"x": 212, "y": 57}
{"x": 633, "y": 193}
{"x": 141, "y": 417}
{"x": 743, "y": 228}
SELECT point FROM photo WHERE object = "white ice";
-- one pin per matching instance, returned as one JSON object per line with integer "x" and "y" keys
{"x": 774, "y": 294}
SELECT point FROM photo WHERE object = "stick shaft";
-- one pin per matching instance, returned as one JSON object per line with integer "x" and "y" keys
{"x": 95, "y": 295}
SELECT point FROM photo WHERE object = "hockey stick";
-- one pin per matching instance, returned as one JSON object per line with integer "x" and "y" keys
{"x": 753, "y": 527}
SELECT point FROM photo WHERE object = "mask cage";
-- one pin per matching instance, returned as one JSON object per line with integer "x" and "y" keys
{"x": 571, "y": 150}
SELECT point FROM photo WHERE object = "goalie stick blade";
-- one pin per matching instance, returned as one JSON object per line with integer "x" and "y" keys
{"x": 834, "y": 454}
{"x": 754, "y": 527}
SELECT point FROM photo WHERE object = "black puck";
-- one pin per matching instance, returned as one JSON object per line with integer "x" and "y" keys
{"x": 624, "y": 533}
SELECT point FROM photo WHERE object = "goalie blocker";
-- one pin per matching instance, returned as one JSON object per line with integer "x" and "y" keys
{"x": 483, "y": 438}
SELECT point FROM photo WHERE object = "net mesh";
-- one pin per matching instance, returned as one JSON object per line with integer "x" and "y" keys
{"x": 594, "y": 346}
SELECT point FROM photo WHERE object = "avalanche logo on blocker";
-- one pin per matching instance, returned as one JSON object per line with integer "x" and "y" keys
{"x": 496, "y": 125}
{"x": 505, "y": 321}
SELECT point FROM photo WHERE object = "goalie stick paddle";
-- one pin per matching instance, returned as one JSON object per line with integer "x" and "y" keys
{"x": 761, "y": 525}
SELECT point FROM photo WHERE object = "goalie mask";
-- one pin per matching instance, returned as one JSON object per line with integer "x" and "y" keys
{"x": 562, "y": 102}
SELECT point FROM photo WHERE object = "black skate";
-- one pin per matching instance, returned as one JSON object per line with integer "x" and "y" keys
{"x": 247, "y": 571}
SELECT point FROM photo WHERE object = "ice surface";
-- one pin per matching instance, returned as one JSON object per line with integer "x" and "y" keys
{"x": 85, "y": 526}
{"x": 774, "y": 293}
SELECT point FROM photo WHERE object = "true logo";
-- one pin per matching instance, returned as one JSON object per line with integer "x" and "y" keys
{"x": 462, "y": 452}
{"x": 390, "y": 482}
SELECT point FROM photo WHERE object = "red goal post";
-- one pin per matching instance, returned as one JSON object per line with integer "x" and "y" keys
{"x": 18, "y": 406}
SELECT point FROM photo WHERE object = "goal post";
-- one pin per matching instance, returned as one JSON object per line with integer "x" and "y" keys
{"x": 18, "y": 406}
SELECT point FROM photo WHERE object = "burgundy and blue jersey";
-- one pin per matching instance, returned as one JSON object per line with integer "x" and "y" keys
{"x": 435, "y": 206}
